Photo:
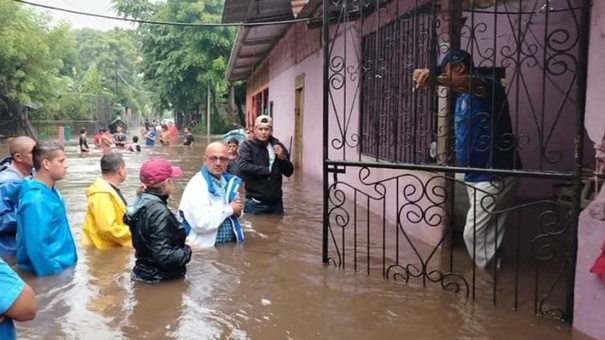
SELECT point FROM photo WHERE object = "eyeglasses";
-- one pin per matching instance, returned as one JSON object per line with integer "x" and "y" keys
{"x": 213, "y": 159}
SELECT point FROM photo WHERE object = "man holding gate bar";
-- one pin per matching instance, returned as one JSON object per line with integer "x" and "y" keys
{"x": 484, "y": 140}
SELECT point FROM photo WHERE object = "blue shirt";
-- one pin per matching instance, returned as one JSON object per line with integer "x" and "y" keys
{"x": 150, "y": 141}
{"x": 11, "y": 286}
{"x": 483, "y": 132}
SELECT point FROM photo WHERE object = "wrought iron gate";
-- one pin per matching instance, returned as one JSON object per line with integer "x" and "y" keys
{"x": 395, "y": 194}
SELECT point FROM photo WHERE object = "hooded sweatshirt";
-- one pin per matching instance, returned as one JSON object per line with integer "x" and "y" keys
{"x": 44, "y": 241}
{"x": 158, "y": 238}
{"x": 10, "y": 178}
{"x": 104, "y": 225}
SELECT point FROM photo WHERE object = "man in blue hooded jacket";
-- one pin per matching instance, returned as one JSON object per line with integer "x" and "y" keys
{"x": 45, "y": 245}
{"x": 484, "y": 139}
{"x": 12, "y": 171}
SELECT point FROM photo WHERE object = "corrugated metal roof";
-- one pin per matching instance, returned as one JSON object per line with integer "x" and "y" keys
{"x": 252, "y": 44}
{"x": 257, "y": 10}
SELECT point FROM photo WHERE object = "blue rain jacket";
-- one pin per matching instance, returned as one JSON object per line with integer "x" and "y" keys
{"x": 10, "y": 179}
{"x": 44, "y": 242}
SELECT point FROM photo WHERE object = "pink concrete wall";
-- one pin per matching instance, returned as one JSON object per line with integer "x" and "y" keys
{"x": 589, "y": 290}
{"x": 595, "y": 101}
{"x": 299, "y": 53}
{"x": 541, "y": 83}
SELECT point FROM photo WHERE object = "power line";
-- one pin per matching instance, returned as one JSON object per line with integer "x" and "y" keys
{"x": 165, "y": 23}
{"x": 129, "y": 85}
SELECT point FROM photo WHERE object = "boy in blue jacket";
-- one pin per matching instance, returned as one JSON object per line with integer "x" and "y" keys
{"x": 45, "y": 245}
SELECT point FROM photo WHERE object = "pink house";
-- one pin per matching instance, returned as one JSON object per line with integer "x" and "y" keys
{"x": 383, "y": 170}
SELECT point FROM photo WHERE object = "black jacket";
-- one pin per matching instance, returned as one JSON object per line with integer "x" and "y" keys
{"x": 261, "y": 183}
{"x": 158, "y": 238}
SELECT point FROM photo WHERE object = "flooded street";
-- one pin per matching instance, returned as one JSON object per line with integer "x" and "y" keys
{"x": 273, "y": 286}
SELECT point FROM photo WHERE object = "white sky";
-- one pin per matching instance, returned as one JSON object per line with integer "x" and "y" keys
{"x": 90, "y": 6}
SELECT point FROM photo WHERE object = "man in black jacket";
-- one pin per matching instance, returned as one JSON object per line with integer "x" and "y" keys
{"x": 262, "y": 161}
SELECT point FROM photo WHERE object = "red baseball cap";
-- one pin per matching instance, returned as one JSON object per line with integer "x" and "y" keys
{"x": 157, "y": 170}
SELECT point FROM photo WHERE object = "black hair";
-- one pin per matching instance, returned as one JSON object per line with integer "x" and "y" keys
{"x": 233, "y": 141}
{"x": 135, "y": 139}
{"x": 44, "y": 150}
{"x": 82, "y": 130}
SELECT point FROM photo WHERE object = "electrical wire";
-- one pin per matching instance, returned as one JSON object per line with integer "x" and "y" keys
{"x": 165, "y": 23}
{"x": 130, "y": 85}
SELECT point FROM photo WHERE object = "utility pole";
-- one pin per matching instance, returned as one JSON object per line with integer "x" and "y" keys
{"x": 115, "y": 67}
{"x": 208, "y": 115}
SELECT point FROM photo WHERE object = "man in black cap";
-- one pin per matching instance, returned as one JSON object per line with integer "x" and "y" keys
{"x": 484, "y": 139}
{"x": 262, "y": 161}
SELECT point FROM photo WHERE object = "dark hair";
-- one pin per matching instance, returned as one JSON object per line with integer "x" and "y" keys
{"x": 82, "y": 130}
{"x": 233, "y": 141}
{"x": 44, "y": 150}
{"x": 135, "y": 139}
{"x": 103, "y": 130}
{"x": 152, "y": 189}
{"x": 111, "y": 162}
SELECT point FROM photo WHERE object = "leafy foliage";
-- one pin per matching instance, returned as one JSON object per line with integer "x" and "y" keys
{"x": 49, "y": 71}
{"x": 180, "y": 62}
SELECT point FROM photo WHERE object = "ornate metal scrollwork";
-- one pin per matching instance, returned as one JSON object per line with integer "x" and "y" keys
{"x": 379, "y": 119}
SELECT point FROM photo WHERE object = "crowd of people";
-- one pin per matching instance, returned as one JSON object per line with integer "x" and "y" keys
{"x": 34, "y": 225}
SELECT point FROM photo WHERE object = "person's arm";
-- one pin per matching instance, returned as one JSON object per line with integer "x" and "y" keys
{"x": 32, "y": 213}
{"x": 8, "y": 220}
{"x": 111, "y": 228}
{"x": 162, "y": 251}
{"x": 287, "y": 168}
{"x": 201, "y": 216}
{"x": 457, "y": 83}
{"x": 17, "y": 300}
{"x": 247, "y": 166}
{"x": 24, "y": 308}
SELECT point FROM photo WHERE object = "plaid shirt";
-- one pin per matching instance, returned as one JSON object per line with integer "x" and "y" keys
{"x": 225, "y": 231}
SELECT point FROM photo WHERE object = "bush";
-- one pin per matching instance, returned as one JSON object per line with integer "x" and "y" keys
{"x": 218, "y": 125}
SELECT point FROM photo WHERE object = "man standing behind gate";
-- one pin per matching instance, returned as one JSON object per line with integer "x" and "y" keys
{"x": 262, "y": 161}
{"x": 484, "y": 139}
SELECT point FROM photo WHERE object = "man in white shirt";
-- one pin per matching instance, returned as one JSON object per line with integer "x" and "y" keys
{"x": 210, "y": 206}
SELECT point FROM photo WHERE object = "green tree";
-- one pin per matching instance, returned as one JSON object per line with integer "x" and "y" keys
{"x": 110, "y": 63}
{"x": 32, "y": 68}
{"x": 179, "y": 63}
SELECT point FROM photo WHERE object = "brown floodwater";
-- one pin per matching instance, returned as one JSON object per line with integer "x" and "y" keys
{"x": 273, "y": 286}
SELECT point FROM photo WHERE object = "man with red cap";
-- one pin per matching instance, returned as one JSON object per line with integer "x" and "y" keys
{"x": 157, "y": 236}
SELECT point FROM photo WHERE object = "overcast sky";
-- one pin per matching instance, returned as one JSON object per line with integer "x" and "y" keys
{"x": 90, "y": 6}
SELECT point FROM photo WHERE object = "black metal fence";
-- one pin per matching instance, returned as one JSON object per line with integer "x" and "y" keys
{"x": 484, "y": 143}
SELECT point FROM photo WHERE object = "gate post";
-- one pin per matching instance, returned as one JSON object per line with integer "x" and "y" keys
{"x": 582, "y": 75}
{"x": 326, "y": 118}
{"x": 448, "y": 39}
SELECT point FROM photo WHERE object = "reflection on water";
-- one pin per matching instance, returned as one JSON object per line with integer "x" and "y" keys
{"x": 271, "y": 287}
